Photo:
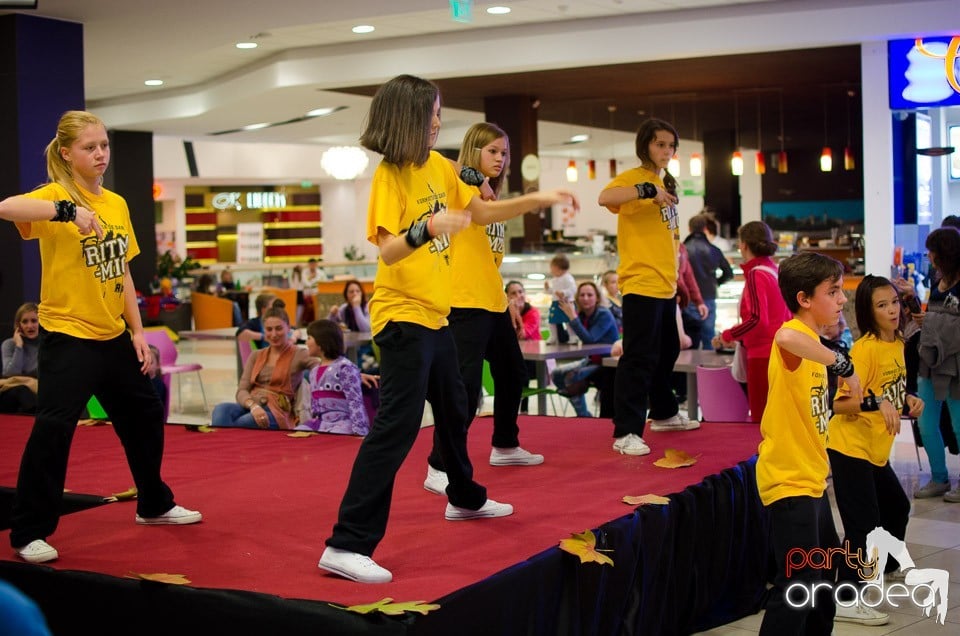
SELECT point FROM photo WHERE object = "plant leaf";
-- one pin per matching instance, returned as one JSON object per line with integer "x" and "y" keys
{"x": 387, "y": 606}
{"x": 584, "y": 545}
{"x": 130, "y": 493}
{"x": 673, "y": 458}
{"x": 301, "y": 434}
{"x": 161, "y": 577}
{"x": 642, "y": 500}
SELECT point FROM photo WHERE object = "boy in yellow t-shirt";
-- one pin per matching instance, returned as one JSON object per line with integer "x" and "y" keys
{"x": 792, "y": 467}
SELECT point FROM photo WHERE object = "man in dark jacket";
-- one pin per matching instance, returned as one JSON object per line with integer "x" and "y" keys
{"x": 706, "y": 259}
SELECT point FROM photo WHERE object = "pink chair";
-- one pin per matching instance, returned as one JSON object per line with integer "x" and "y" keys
{"x": 160, "y": 339}
{"x": 721, "y": 398}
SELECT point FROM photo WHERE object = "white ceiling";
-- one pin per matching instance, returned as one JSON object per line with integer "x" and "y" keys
{"x": 210, "y": 85}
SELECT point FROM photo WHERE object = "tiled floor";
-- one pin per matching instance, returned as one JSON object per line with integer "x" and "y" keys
{"x": 933, "y": 535}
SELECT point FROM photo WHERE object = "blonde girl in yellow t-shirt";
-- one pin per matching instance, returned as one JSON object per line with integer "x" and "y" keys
{"x": 87, "y": 304}
{"x": 417, "y": 203}
{"x": 868, "y": 493}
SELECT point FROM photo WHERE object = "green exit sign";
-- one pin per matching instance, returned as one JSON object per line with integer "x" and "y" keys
{"x": 461, "y": 10}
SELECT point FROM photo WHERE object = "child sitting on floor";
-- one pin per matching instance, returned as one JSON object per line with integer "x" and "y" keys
{"x": 333, "y": 400}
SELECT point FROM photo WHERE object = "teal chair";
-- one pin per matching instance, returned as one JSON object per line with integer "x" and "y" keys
{"x": 528, "y": 392}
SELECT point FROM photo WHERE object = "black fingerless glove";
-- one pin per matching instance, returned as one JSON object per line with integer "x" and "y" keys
{"x": 646, "y": 190}
{"x": 842, "y": 365}
{"x": 417, "y": 234}
{"x": 66, "y": 211}
{"x": 471, "y": 176}
{"x": 870, "y": 402}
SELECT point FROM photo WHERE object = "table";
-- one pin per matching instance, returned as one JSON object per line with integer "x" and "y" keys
{"x": 224, "y": 333}
{"x": 539, "y": 352}
{"x": 687, "y": 362}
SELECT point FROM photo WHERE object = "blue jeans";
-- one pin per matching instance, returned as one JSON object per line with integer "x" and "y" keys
{"x": 709, "y": 325}
{"x": 929, "y": 424}
{"x": 232, "y": 415}
{"x": 567, "y": 374}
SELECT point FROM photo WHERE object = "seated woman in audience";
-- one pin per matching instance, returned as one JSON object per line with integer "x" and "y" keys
{"x": 18, "y": 388}
{"x": 252, "y": 330}
{"x": 332, "y": 399}
{"x": 592, "y": 324}
{"x": 354, "y": 315}
{"x": 529, "y": 328}
{"x": 270, "y": 380}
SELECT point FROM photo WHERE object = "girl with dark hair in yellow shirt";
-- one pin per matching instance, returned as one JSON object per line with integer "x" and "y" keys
{"x": 417, "y": 203}
{"x": 87, "y": 304}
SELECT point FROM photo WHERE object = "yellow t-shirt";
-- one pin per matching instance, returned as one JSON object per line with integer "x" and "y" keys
{"x": 881, "y": 368}
{"x": 81, "y": 290}
{"x": 417, "y": 288}
{"x": 647, "y": 240}
{"x": 793, "y": 456}
{"x": 477, "y": 255}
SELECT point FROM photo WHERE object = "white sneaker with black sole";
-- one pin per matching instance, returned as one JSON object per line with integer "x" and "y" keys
{"x": 488, "y": 510}
{"x": 353, "y": 566}
{"x": 676, "y": 423}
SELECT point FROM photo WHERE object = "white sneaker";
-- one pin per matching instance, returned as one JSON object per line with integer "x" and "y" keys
{"x": 436, "y": 481}
{"x": 38, "y": 551}
{"x": 353, "y": 566}
{"x": 631, "y": 444}
{"x": 676, "y": 423}
{"x": 176, "y": 516}
{"x": 860, "y": 614}
{"x": 488, "y": 510}
{"x": 513, "y": 457}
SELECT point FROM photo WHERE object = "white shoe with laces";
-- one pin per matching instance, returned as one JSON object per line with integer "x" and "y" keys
{"x": 353, "y": 566}
{"x": 676, "y": 423}
{"x": 860, "y": 614}
{"x": 436, "y": 481}
{"x": 176, "y": 516}
{"x": 513, "y": 457}
{"x": 488, "y": 510}
{"x": 38, "y": 551}
{"x": 631, "y": 444}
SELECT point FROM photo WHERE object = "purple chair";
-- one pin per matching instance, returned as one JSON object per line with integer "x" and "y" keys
{"x": 721, "y": 398}
{"x": 160, "y": 339}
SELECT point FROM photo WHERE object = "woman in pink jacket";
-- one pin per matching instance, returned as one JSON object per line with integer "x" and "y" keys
{"x": 762, "y": 311}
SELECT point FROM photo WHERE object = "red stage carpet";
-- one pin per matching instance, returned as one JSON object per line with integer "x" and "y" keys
{"x": 270, "y": 500}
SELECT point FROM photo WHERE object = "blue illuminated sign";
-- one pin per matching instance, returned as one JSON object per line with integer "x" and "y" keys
{"x": 924, "y": 72}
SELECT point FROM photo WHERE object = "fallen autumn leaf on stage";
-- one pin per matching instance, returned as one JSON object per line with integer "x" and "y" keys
{"x": 641, "y": 500}
{"x": 584, "y": 545}
{"x": 130, "y": 493}
{"x": 92, "y": 422}
{"x": 387, "y": 606}
{"x": 161, "y": 577}
{"x": 301, "y": 434}
{"x": 673, "y": 458}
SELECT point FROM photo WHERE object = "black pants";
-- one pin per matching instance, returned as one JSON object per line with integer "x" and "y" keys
{"x": 483, "y": 335}
{"x": 651, "y": 345}
{"x": 18, "y": 400}
{"x": 70, "y": 370}
{"x": 800, "y": 523}
{"x": 416, "y": 364}
{"x": 868, "y": 496}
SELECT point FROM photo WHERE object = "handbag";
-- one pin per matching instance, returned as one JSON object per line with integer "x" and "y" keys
{"x": 739, "y": 368}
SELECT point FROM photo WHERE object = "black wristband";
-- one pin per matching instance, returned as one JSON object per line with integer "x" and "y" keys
{"x": 471, "y": 176}
{"x": 646, "y": 190}
{"x": 66, "y": 211}
{"x": 417, "y": 235}
{"x": 842, "y": 365}
{"x": 870, "y": 402}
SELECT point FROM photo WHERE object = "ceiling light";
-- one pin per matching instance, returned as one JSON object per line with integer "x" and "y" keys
{"x": 579, "y": 139}
{"x": 321, "y": 112}
{"x": 696, "y": 165}
{"x": 363, "y": 28}
{"x": 572, "y": 175}
{"x": 154, "y": 82}
{"x": 673, "y": 167}
{"x": 344, "y": 162}
{"x": 247, "y": 45}
{"x": 256, "y": 126}
{"x": 498, "y": 10}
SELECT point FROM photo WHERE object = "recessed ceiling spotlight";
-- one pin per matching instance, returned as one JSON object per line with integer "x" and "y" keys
{"x": 256, "y": 126}
{"x": 153, "y": 82}
{"x": 323, "y": 112}
{"x": 579, "y": 139}
{"x": 498, "y": 10}
{"x": 247, "y": 45}
{"x": 363, "y": 28}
